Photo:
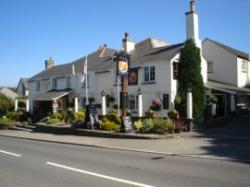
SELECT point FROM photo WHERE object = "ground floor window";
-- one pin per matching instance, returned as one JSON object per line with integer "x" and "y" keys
{"x": 133, "y": 102}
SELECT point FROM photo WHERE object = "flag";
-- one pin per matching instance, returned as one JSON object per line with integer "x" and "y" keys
{"x": 83, "y": 71}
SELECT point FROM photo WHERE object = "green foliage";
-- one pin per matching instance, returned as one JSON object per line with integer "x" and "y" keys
{"x": 190, "y": 77}
{"x": 157, "y": 125}
{"x": 147, "y": 125}
{"x": 6, "y": 122}
{"x": 53, "y": 121}
{"x": 55, "y": 118}
{"x": 150, "y": 113}
{"x": 79, "y": 116}
{"x": 155, "y": 107}
{"x": 138, "y": 124}
{"x": 172, "y": 114}
{"x": 111, "y": 121}
{"x": 56, "y": 115}
{"x": 5, "y": 103}
{"x": 107, "y": 125}
{"x": 69, "y": 116}
{"x": 113, "y": 117}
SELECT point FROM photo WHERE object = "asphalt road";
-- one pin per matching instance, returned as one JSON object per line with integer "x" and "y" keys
{"x": 35, "y": 163}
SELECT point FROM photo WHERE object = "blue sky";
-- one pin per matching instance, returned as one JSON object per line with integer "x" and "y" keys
{"x": 33, "y": 30}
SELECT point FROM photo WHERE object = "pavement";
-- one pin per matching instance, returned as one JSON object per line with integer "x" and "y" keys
{"x": 231, "y": 142}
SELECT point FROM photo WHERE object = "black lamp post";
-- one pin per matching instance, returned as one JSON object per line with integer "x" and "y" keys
{"x": 122, "y": 60}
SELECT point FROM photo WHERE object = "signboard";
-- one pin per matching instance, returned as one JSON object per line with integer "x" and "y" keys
{"x": 122, "y": 65}
{"x": 133, "y": 76}
{"x": 127, "y": 123}
{"x": 91, "y": 116}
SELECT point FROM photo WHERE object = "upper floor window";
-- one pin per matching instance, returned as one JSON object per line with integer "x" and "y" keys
{"x": 175, "y": 70}
{"x": 149, "y": 74}
{"x": 54, "y": 83}
{"x": 45, "y": 84}
{"x": 243, "y": 65}
{"x": 210, "y": 67}
{"x": 37, "y": 85}
{"x": 68, "y": 82}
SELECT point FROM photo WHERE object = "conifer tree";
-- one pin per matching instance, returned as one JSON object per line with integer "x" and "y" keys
{"x": 189, "y": 77}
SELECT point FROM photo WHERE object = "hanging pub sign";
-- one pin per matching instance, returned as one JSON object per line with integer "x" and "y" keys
{"x": 122, "y": 66}
{"x": 133, "y": 76}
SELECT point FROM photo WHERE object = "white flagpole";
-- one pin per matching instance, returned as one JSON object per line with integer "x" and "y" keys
{"x": 86, "y": 81}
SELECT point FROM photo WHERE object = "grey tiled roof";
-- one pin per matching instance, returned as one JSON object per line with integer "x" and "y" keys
{"x": 144, "y": 52}
{"x": 58, "y": 70}
{"x": 229, "y": 49}
{"x": 94, "y": 63}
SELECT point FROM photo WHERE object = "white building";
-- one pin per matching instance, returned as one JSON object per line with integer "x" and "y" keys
{"x": 152, "y": 63}
{"x": 228, "y": 74}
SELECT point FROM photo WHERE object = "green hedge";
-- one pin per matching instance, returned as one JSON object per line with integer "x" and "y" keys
{"x": 5, "y": 122}
{"x": 157, "y": 125}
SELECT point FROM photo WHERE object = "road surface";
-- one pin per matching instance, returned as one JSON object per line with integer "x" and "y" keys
{"x": 36, "y": 163}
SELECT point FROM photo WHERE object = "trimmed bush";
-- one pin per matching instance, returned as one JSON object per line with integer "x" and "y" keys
{"x": 138, "y": 124}
{"x": 53, "y": 121}
{"x": 147, "y": 125}
{"x": 79, "y": 116}
{"x": 106, "y": 124}
{"x": 157, "y": 125}
{"x": 113, "y": 117}
{"x": 5, "y": 123}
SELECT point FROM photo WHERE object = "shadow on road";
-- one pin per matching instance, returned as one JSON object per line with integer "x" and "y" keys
{"x": 232, "y": 141}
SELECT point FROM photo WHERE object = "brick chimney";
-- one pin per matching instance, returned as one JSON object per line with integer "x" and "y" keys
{"x": 49, "y": 63}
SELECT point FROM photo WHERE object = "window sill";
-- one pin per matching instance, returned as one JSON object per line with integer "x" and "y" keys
{"x": 144, "y": 83}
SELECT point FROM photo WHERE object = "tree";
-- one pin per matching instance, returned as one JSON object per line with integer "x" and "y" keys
{"x": 189, "y": 77}
{"x": 5, "y": 103}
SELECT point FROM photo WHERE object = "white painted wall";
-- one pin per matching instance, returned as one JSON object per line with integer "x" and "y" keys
{"x": 242, "y": 76}
{"x": 224, "y": 63}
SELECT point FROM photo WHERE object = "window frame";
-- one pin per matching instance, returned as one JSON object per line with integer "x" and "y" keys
{"x": 149, "y": 74}
{"x": 210, "y": 67}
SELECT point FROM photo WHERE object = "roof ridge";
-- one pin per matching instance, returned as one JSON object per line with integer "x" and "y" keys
{"x": 237, "y": 52}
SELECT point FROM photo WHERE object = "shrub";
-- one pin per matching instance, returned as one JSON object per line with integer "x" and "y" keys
{"x": 157, "y": 125}
{"x": 69, "y": 116}
{"x": 106, "y": 124}
{"x": 80, "y": 116}
{"x": 5, "y": 103}
{"x": 5, "y": 122}
{"x": 113, "y": 117}
{"x": 147, "y": 125}
{"x": 138, "y": 124}
{"x": 150, "y": 113}
{"x": 15, "y": 116}
{"x": 56, "y": 115}
{"x": 53, "y": 121}
{"x": 172, "y": 114}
